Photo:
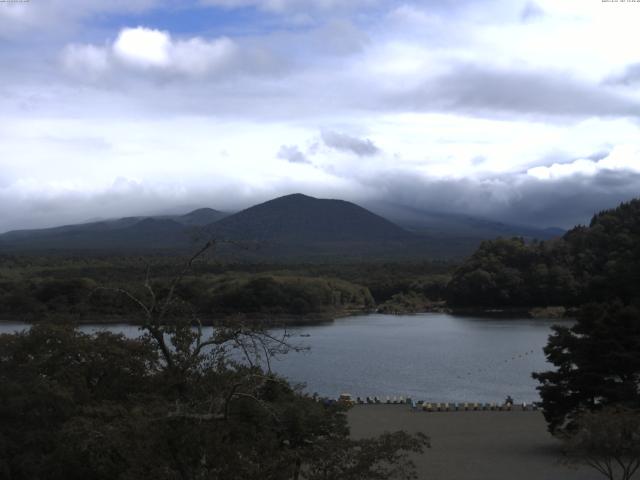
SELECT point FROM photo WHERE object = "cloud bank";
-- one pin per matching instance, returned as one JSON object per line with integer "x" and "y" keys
{"x": 143, "y": 51}
{"x": 495, "y": 108}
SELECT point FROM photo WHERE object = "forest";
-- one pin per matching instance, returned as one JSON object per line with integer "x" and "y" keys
{"x": 75, "y": 405}
{"x": 87, "y": 289}
{"x": 598, "y": 262}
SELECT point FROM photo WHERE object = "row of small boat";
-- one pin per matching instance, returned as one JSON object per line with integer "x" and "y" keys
{"x": 436, "y": 406}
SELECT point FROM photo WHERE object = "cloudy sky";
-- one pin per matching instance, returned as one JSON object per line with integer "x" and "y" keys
{"x": 524, "y": 111}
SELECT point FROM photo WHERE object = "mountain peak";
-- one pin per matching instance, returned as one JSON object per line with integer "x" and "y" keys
{"x": 303, "y": 220}
{"x": 200, "y": 217}
{"x": 298, "y": 197}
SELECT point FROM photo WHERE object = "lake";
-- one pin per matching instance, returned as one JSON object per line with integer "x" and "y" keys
{"x": 432, "y": 356}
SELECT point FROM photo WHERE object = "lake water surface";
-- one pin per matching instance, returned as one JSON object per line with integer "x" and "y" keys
{"x": 431, "y": 356}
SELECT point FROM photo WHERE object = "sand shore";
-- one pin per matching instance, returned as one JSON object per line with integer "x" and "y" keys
{"x": 484, "y": 445}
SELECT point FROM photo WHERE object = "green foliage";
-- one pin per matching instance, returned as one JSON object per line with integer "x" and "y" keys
{"x": 595, "y": 263}
{"x": 172, "y": 404}
{"x": 58, "y": 288}
{"x": 77, "y": 406}
{"x": 597, "y": 364}
{"x": 286, "y": 295}
{"x": 608, "y": 441}
{"x": 412, "y": 302}
{"x": 53, "y": 380}
{"x": 342, "y": 458}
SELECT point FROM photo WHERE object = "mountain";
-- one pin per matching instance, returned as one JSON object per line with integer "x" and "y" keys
{"x": 199, "y": 217}
{"x": 453, "y": 225}
{"x": 129, "y": 233}
{"x": 303, "y": 227}
{"x": 291, "y": 227}
{"x": 302, "y": 220}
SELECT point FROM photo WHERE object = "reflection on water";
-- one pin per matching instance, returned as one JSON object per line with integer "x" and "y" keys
{"x": 431, "y": 356}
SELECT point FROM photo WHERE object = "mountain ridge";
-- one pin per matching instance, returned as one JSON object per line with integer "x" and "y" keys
{"x": 295, "y": 226}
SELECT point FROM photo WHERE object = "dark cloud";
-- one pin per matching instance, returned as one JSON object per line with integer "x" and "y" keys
{"x": 131, "y": 198}
{"x": 292, "y": 154}
{"x": 479, "y": 90}
{"x": 515, "y": 199}
{"x": 531, "y": 11}
{"x": 598, "y": 155}
{"x": 630, "y": 76}
{"x": 347, "y": 143}
{"x": 529, "y": 201}
{"x": 571, "y": 200}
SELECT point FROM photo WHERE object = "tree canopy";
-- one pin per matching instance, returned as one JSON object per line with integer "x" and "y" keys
{"x": 595, "y": 263}
{"x": 597, "y": 364}
{"x": 608, "y": 441}
{"x": 173, "y": 404}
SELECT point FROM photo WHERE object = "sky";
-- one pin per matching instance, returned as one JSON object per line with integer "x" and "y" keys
{"x": 522, "y": 111}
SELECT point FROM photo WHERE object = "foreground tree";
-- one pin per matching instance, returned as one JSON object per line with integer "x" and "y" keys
{"x": 592, "y": 400}
{"x": 171, "y": 404}
{"x": 608, "y": 441}
{"x": 597, "y": 364}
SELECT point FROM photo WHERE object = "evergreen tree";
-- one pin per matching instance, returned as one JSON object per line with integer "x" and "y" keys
{"x": 597, "y": 364}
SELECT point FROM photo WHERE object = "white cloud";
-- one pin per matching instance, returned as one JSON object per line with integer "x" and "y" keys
{"x": 429, "y": 86}
{"x": 585, "y": 38}
{"x": 197, "y": 56}
{"x": 560, "y": 170}
{"x": 622, "y": 158}
{"x": 86, "y": 59}
{"x": 145, "y": 49}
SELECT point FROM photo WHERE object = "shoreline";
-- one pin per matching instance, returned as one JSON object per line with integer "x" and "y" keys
{"x": 549, "y": 312}
{"x": 309, "y": 319}
{"x": 278, "y": 320}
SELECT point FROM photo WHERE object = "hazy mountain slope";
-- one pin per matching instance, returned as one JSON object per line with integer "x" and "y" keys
{"x": 292, "y": 227}
{"x": 199, "y": 217}
{"x": 129, "y": 233}
{"x": 452, "y": 225}
{"x": 148, "y": 233}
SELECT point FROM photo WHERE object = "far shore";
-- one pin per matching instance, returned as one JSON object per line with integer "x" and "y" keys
{"x": 548, "y": 312}
{"x": 476, "y": 445}
{"x": 268, "y": 320}
{"x": 301, "y": 320}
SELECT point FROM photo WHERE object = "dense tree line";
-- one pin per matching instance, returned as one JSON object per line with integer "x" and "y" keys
{"x": 39, "y": 288}
{"x": 276, "y": 295}
{"x": 595, "y": 263}
{"x": 211, "y": 297}
{"x": 591, "y": 400}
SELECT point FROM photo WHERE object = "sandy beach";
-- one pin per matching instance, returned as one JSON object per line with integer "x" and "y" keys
{"x": 483, "y": 445}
